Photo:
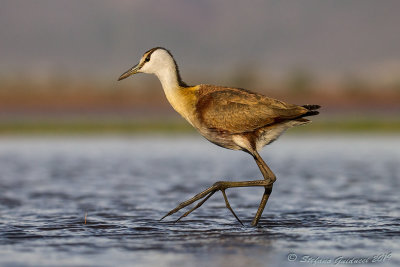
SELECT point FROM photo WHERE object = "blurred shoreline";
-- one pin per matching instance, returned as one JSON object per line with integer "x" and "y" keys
{"x": 61, "y": 106}
{"x": 179, "y": 126}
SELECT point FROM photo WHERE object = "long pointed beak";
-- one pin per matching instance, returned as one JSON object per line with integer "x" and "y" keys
{"x": 129, "y": 72}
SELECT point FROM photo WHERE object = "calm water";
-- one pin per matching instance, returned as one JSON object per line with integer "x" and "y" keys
{"x": 336, "y": 198}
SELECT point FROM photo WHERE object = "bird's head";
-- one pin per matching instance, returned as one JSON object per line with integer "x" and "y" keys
{"x": 153, "y": 61}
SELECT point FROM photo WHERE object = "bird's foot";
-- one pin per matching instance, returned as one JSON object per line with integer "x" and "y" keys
{"x": 206, "y": 194}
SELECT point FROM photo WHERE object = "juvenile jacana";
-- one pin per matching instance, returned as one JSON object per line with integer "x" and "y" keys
{"x": 232, "y": 118}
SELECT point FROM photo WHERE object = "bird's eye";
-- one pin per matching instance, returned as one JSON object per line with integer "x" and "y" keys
{"x": 147, "y": 59}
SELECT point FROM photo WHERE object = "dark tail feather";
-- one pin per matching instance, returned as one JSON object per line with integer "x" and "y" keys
{"x": 311, "y": 110}
{"x": 310, "y": 113}
{"x": 311, "y": 107}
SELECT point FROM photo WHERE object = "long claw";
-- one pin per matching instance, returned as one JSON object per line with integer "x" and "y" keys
{"x": 190, "y": 201}
{"x": 229, "y": 206}
{"x": 166, "y": 215}
{"x": 196, "y": 207}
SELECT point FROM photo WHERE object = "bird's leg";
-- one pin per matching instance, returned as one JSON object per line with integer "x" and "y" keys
{"x": 268, "y": 176}
{"x": 263, "y": 202}
{"x": 211, "y": 190}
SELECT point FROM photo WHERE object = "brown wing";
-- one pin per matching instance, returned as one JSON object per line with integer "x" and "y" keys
{"x": 237, "y": 110}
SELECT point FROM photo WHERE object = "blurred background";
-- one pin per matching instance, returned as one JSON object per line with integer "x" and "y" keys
{"x": 92, "y": 196}
{"x": 60, "y": 61}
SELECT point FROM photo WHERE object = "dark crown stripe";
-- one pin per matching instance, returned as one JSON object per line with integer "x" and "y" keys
{"x": 180, "y": 81}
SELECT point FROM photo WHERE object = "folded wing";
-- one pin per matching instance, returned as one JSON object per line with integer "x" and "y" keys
{"x": 236, "y": 110}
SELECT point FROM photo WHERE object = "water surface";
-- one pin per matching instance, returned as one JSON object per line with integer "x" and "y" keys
{"x": 334, "y": 197}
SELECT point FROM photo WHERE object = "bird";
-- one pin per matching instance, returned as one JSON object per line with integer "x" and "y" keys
{"x": 232, "y": 118}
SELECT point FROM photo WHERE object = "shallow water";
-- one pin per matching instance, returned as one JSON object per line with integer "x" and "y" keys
{"x": 334, "y": 197}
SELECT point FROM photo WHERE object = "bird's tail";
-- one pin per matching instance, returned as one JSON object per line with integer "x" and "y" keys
{"x": 311, "y": 107}
{"x": 312, "y": 110}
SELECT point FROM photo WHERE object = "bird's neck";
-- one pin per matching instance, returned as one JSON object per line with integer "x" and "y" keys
{"x": 171, "y": 82}
{"x": 175, "y": 90}
{"x": 169, "y": 79}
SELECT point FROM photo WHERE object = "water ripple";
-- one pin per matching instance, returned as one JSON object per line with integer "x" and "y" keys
{"x": 329, "y": 202}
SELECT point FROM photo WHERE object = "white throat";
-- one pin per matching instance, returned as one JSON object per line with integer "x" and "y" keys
{"x": 164, "y": 67}
{"x": 168, "y": 78}
{"x": 169, "y": 81}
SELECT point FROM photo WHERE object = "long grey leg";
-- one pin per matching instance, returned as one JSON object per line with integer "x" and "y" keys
{"x": 268, "y": 176}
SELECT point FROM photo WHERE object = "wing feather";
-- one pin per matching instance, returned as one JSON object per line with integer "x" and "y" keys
{"x": 237, "y": 110}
